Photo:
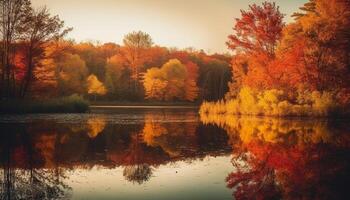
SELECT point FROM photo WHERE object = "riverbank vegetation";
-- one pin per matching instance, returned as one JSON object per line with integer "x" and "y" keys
{"x": 276, "y": 69}
{"x": 70, "y": 104}
{"x": 296, "y": 69}
{"x": 276, "y": 103}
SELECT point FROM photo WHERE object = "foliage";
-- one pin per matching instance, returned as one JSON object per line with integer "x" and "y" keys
{"x": 259, "y": 29}
{"x": 60, "y": 67}
{"x": 31, "y": 30}
{"x": 214, "y": 75}
{"x": 276, "y": 103}
{"x": 116, "y": 79}
{"x": 71, "y": 73}
{"x": 173, "y": 81}
{"x": 70, "y": 104}
{"x": 94, "y": 86}
{"x": 136, "y": 44}
{"x": 309, "y": 55}
{"x": 93, "y": 56}
{"x": 321, "y": 36}
{"x": 138, "y": 39}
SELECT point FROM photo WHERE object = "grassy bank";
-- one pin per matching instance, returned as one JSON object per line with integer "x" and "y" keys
{"x": 71, "y": 104}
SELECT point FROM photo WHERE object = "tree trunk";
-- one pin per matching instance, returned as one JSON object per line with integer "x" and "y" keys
{"x": 28, "y": 77}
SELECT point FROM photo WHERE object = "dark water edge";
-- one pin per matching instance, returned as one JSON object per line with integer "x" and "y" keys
{"x": 167, "y": 153}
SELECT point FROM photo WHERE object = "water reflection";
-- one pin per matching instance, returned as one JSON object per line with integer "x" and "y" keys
{"x": 287, "y": 159}
{"x": 137, "y": 173}
{"x": 95, "y": 126}
{"x": 46, "y": 157}
{"x": 29, "y": 170}
{"x": 45, "y": 152}
{"x": 175, "y": 139}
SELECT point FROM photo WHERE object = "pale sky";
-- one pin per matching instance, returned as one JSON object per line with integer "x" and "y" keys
{"x": 202, "y": 24}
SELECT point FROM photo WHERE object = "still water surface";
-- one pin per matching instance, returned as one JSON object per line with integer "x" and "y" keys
{"x": 171, "y": 153}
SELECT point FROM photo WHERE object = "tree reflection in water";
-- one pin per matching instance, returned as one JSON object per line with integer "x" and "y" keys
{"x": 137, "y": 173}
{"x": 176, "y": 139}
{"x": 24, "y": 174}
{"x": 272, "y": 158}
{"x": 37, "y": 157}
{"x": 287, "y": 159}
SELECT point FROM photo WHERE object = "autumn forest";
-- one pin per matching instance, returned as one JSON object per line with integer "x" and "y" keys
{"x": 175, "y": 99}
{"x": 37, "y": 62}
{"x": 274, "y": 68}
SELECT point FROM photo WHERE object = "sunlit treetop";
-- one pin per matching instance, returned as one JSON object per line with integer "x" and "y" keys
{"x": 258, "y": 29}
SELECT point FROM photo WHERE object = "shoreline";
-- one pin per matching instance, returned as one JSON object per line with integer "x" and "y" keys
{"x": 144, "y": 106}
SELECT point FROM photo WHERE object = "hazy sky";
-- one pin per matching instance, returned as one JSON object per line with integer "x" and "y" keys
{"x": 202, "y": 24}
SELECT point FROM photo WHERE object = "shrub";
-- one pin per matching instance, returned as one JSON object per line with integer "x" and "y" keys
{"x": 70, "y": 104}
{"x": 248, "y": 101}
{"x": 276, "y": 103}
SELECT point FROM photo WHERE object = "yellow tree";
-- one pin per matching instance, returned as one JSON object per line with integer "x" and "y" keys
{"x": 135, "y": 45}
{"x": 95, "y": 87}
{"x": 175, "y": 73}
{"x": 154, "y": 84}
{"x": 173, "y": 81}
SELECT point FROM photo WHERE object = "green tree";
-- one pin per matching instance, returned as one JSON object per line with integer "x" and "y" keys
{"x": 116, "y": 78}
{"x": 71, "y": 73}
{"x": 213, "y": 80}
{"x": 94, "y": 58}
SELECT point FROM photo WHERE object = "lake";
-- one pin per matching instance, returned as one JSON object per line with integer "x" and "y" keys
{"x": 171, "y": 153}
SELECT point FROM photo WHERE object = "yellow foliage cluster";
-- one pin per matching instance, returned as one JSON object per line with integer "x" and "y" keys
{"x": 171, "y": 81}
{"x": 95, "y": 86}
{"x": 274, "y": 103}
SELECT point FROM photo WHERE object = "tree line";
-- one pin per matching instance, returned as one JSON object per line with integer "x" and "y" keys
{"x": 311, "y": 53}
{"x": 38, "y": 62}
{"x": 274, "y": 66}
{"x": 25, "y": 33}
{"x": 136, "y": 70}
{"x": 300, "y": 68}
